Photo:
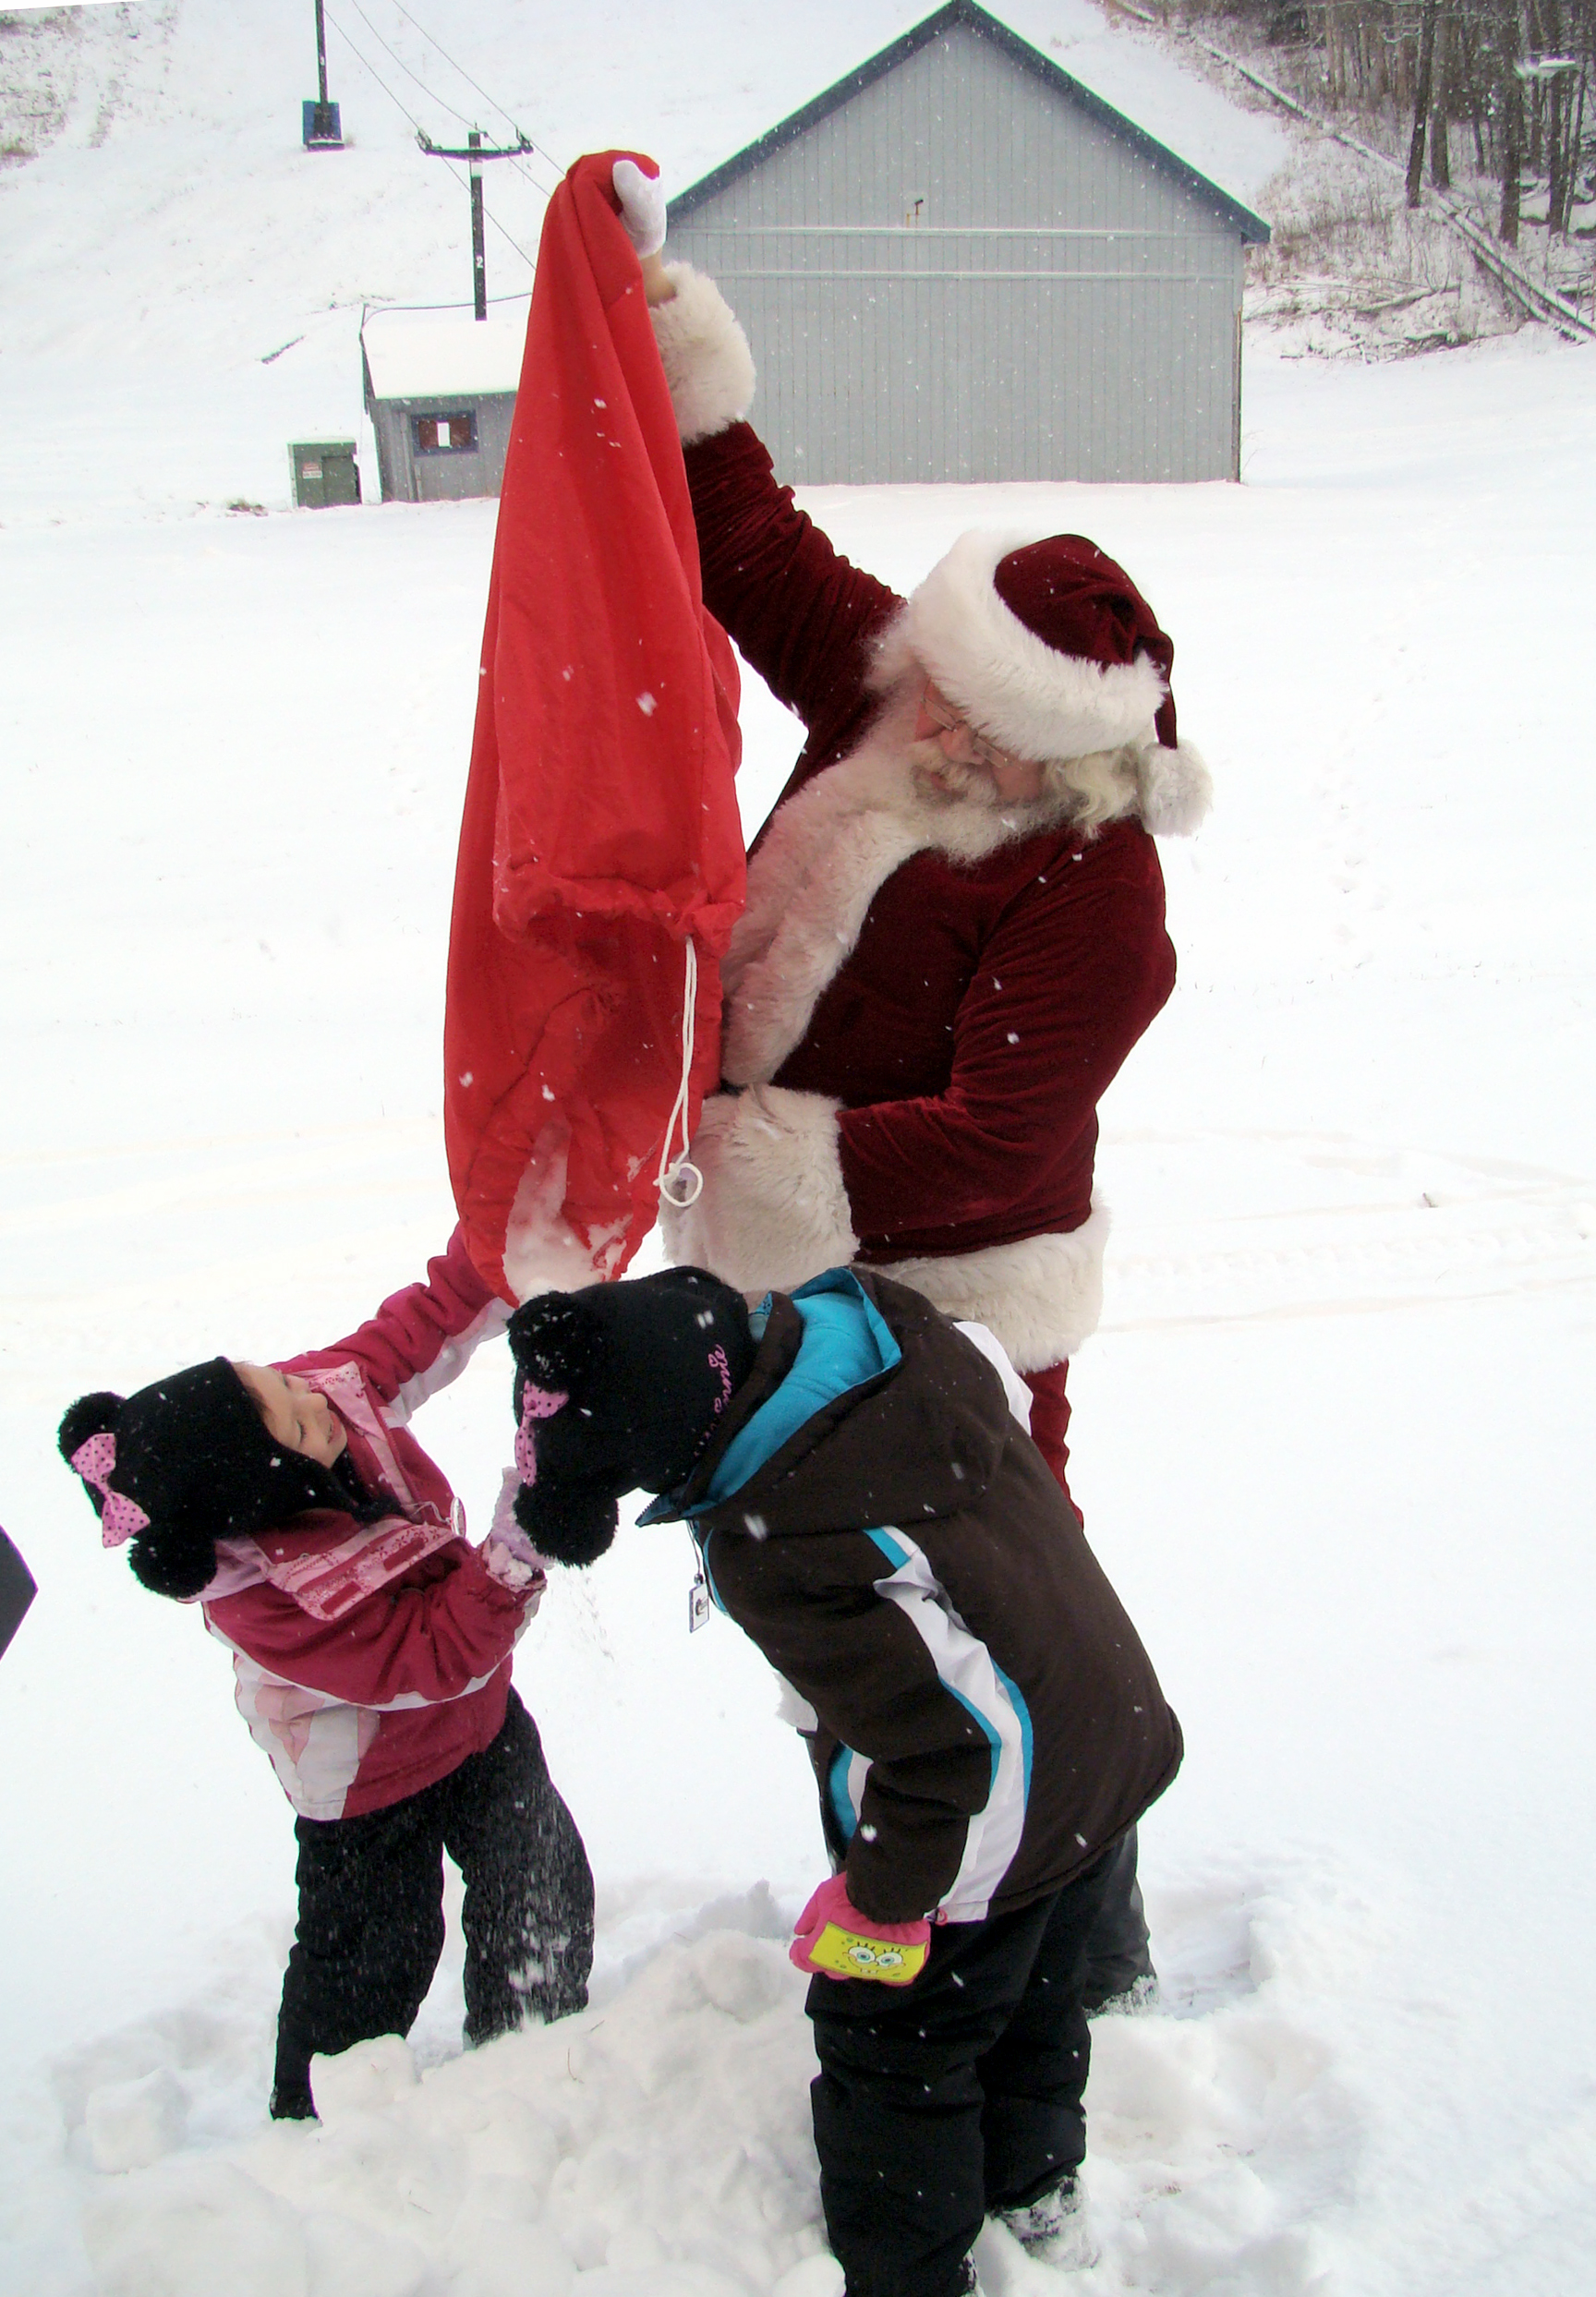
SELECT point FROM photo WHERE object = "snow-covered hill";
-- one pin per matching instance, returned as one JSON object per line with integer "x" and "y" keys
{"x": 1332, "y": 1441}
{"x": 183, "y": 284}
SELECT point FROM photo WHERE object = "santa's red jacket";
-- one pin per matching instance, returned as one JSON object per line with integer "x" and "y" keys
{"x": 371, "y": 1659}
{"x": 923, "y": 1009}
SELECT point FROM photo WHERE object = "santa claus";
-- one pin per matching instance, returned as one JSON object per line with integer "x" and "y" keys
{"x": 955, "y": 924}
{"x": 955, "y": 928}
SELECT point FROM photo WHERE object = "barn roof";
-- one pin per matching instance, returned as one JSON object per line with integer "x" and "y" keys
{"x": 1252, "y": 229}
{"x": 417, "y": 355}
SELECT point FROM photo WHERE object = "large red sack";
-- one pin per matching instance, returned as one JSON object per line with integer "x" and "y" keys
{"x": 601, "y": 834}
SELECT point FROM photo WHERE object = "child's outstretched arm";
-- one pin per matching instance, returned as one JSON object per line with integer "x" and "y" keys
{"x": 422, "y": 1337}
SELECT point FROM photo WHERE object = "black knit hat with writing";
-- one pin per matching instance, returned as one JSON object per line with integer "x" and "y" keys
{"x": 618, "y": 1389}
{"x": 189, "y": 1461}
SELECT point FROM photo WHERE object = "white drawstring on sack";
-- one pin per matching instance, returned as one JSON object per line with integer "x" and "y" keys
{"x": 681, "y": 1183}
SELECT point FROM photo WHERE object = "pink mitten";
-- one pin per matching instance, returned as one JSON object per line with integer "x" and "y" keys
{"x": 507, "y": 1552}
{"x": 838, "y": 1941}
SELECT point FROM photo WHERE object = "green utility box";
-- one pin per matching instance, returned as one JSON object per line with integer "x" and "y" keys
{"x": 325, "y": 472}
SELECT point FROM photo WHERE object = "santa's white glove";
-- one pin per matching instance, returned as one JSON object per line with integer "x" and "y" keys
{"x": 642, "y": 202}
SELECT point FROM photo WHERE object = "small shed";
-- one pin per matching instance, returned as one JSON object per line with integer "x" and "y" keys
{"x": 441, "y": 391}
{"x": 960, "y": 263}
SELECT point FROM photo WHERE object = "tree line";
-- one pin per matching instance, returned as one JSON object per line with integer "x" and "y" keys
{"x": 1510, "y": 77}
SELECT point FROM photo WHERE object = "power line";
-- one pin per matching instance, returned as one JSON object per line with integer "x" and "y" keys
{"x": 524, "y": 172}
{"x": 557, "y": 165}
{"x": 404, "y": 110}
{"x": 474, "y": 156}
{"x": 430, "y": 94}
{"x": 433, "y": 97}
{"x": 378, "y": 304}
{"x": 377, "y": 75}
{"x": 442, "y": 103}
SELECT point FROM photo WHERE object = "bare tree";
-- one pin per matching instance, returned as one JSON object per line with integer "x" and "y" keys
{"x": 1421, "y": 101}
{"x": 1512, "y": 123}
{"x": 1441, "y": 115}
{"x": 1517, "y": 71}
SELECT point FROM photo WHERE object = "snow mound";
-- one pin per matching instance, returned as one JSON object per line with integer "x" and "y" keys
{"x": 659, "y": 2145}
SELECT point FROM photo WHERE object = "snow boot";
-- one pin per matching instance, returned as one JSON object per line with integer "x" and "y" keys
{"x": 1054, "y": 2229}
{"x": 292, "y": 2101}
{"x": 1134, "y": 2001}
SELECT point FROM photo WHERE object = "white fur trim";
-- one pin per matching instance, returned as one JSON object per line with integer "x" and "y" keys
{"x": 707, "y": 363}
{"x": 1042, "y": 1296}
{"x": 1176, "y": 789}
{"x": 774, "y": 1211}
{"x": 825, "y": 855}
{"x": 1017, "y": 690}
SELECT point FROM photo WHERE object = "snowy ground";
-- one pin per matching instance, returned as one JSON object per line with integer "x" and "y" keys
{"x": 1332, "y": 1441}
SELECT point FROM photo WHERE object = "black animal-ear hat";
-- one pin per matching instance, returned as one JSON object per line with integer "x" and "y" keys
{"x": 186, "y": 1462}
{"x": 618, "y": 1389}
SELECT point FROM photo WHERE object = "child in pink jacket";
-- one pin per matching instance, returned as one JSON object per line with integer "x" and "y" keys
{"x": 371, "y": 1648}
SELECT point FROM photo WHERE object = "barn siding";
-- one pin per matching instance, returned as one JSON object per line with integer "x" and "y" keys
{"x": 1061, "y": 307}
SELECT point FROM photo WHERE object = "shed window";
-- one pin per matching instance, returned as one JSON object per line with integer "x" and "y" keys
{"x": 445, "y": 434}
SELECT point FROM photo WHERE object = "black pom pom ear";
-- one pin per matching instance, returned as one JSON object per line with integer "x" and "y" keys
{"x": 557, "y": 1341}
{"x": 576, "y": 1527}
{"x": 90, "y": 1415}
{"x": 182, "y": 1564}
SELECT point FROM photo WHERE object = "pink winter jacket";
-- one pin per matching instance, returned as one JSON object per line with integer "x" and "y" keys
{"x": 371, "y": 1659}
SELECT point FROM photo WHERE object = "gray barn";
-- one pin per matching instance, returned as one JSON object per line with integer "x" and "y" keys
{"x": 959, "y": 263}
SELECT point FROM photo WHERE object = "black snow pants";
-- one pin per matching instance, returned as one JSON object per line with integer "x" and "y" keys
{"x": 1117, "y": 1952}
{"x": 371, "y": 1924}
{"x": 956, "y": 2096}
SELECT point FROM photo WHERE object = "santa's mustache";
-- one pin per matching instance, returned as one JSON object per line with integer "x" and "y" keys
{"x": 943, "y": 780}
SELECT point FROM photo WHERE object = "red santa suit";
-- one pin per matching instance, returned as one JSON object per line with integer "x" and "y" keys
{"x": 926, "y": 999}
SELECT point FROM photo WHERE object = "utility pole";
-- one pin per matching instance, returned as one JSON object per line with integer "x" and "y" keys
{"x": 320, "y": 120}
{"x": 474, "y": 153}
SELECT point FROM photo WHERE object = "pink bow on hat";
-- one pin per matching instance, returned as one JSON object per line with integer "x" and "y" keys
{"x": 120, "y": 1516}
{"x": 536, "y": 1403}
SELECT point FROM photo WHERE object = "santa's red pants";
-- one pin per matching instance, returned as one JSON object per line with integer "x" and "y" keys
{"x": 1117, "y": 1952}
{"x": 1050, "y": 1418}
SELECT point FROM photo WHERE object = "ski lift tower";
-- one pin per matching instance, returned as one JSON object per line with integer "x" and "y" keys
{"x": 320, "y": 128}
{"x": 474, "y": 153}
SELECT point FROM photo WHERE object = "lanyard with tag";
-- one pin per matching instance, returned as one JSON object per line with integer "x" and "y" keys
{"x": 697, "y": 1603}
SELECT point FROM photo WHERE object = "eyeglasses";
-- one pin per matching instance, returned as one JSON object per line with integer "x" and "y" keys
{"x": 941, "y": 711}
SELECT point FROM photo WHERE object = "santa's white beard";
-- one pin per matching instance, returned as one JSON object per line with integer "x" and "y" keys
{"x": 942, "y": 781}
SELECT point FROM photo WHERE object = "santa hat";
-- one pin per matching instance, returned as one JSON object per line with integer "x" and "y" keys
{"x": 187, "y": 1461}
{"x": 1049, "y": 649}
{"x": 618, "y": 1389}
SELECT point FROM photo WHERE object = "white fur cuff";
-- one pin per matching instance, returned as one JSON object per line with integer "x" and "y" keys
{"x": 707, "y": 363}
{"x": 774, "y": 1210}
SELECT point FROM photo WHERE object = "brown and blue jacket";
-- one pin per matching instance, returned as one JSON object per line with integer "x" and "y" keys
{"x": 981, "y": 1715}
